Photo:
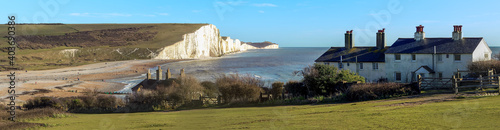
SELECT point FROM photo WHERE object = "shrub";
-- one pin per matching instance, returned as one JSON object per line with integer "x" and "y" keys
{"x": 234, "y": 87}
{"x": 296, "y": 88}
{"x": 44, "y": 102}
{"x": 277, "y": 89}
{"x": 320, "y": 77}
{"x": 184, "y": 91}
{"x": 210, "y": 89}
{"x": 370, "y": 91}
{"x": 483, "y": 66}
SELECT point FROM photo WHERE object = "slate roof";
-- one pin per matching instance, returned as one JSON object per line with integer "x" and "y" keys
{"x": 426, "y": 68}
{"x": 364, "y": 54}
{"x": 443, "y": 45}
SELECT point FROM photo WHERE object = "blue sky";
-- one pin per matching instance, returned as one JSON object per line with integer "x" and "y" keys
{"x": 290, "y": 23}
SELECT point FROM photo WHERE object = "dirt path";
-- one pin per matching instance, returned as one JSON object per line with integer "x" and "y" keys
{"x": 64, "y": 82}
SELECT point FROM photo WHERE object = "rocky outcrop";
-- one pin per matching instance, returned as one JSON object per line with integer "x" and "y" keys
{"x": 260, "y": 45}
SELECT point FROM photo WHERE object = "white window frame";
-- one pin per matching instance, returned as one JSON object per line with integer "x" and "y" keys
{"x": 361, "y": 66}
{"x": 375, "y": 66}
{"x": 396, "y": 59}
{"x": 396, "y": 76}
{"x": 439, "y": 57}
{"x": 455, "y": 57}
{"x": 413, "y": 60}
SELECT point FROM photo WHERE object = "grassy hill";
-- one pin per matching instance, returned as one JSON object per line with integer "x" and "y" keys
{"x": 427, "y": 112}
{"x": 41, "y": 45}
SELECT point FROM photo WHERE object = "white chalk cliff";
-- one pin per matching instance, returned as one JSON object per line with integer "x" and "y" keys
{"x": 204, "y": 42}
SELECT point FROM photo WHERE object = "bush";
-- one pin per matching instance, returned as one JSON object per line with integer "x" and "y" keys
{"x": 370, "y": 91}
{"x": 184, "y": 91}
{"x": 320, "y": 78}
{"x": 483, "y": 66}
{"x": 210, "y": 89}
{"x": 44, "y": 102}
{"x": 277, "y": 90}
{"x": 234, "y": 87}
{"x": 296, "y": 88}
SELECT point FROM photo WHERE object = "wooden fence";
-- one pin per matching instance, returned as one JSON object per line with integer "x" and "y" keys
{"x": 478, "y": 84}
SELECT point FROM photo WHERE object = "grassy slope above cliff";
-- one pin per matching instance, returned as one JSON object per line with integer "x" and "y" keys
{"x": 41, "y": 45}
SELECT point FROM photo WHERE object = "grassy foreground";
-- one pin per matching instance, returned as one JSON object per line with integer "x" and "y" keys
{"x": 412, "y": 113}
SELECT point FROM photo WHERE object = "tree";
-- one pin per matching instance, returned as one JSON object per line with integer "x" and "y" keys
{"x": 277, "y": 89}
{"x": 319, "y": 76}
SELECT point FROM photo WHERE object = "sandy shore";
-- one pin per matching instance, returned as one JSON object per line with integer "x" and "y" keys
{"x": 73, "y": 81}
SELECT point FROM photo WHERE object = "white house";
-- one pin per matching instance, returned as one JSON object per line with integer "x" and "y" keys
{"x": 368, "y": 62}
{"x": 433, "y": 57}
{"x": 408, "y": 57}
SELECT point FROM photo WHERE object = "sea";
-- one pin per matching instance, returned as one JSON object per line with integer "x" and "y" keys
{"x": 268, "y": 65}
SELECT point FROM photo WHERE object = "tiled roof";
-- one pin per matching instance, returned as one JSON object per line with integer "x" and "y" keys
{"x": 363, "y": 54}
{"x": 443, "y": 45}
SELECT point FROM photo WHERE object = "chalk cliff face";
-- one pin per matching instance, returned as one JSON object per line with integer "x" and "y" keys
{"x": 204, "y": 42}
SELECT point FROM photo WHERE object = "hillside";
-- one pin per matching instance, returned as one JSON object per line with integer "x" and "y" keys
{"x": 422, "y": 112}
{"x": 53, "y": 46}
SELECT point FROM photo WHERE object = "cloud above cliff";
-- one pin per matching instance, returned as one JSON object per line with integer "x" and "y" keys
{"x": 264, "y": 5}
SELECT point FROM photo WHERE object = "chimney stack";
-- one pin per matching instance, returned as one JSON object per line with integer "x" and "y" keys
{"x": 420, "y": 34}
{"x": 148, "y": 75}
{"x": 158, "y": 74}
{"x": 381, "y": 39}
{"x": 349, "y": 40}
{"x": 457, "y": 32}
{"x": 168, "y": 74}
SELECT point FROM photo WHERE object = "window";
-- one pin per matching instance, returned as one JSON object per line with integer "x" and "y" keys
{"x": 447, "y": 56}
{"x": 439, "y": 57}
{"x": 398, "y": 76}
{"x": 440, "y": 75}
{"x": 360, "y": 66}
{"x": 347, "y": 63}
{"x": 397, "y": 57}
{"x": 457, "y": 57}
{"x": 413, "y": 57}
{"x": 485, "y": 56}
{"x": 375, "y": 66}
{"x": 340, "y": 65}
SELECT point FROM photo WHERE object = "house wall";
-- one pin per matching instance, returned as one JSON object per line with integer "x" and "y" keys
{"x": 405, "y": 66}
{"x": 480, "y": 51}
{"x": 368, "y": 72}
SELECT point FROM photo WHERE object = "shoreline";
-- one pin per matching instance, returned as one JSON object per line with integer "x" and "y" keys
{"x": 72, "y": 81}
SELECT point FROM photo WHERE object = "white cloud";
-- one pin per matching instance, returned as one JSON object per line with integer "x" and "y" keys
{"x": 265, "y": 5}
{"x": 164, "y": 14}
{"x": 260, "y": 11}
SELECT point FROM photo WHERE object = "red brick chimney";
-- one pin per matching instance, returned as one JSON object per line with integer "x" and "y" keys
{"x": 457, "y": 32}
{"x": 349, "y": 40}
{"x": 420, "y": 34}
{"x": 381, "y": 39}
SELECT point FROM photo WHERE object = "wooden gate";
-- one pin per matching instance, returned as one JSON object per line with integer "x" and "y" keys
{"x": 428, "y": 83}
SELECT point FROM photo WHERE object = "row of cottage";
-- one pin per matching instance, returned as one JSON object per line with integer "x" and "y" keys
{"x": 408, "y": 57}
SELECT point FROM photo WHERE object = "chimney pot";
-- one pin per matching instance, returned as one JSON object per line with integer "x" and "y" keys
{"x": 457, "y": 32}
{"x": 381, "y": 43}
{"x": 420, "y": 34}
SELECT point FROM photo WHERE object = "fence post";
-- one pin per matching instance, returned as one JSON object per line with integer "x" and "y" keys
{"x": 455, "y": 84}
{"x": 480, "y": 83}
{"x": 419, "y": 79}
{"x": 498, "y": 84}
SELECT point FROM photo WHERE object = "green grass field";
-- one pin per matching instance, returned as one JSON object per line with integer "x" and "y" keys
{"x": 412, "y": 113}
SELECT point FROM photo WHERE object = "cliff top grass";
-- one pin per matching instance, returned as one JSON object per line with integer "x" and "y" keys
{"x": 40, "y": 44}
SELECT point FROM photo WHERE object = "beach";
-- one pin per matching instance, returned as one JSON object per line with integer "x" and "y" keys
{"x": 73, "y": 81}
